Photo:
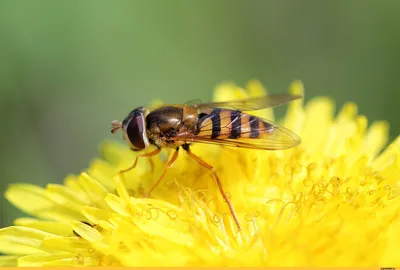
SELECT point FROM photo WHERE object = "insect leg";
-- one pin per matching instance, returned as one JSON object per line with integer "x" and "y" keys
{"x": 155, "y": 152}
{"x": 169, "y": 165}
{"x": 221, "y": 189}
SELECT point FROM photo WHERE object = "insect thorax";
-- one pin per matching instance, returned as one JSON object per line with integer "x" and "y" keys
{"x": 165, "y": 122}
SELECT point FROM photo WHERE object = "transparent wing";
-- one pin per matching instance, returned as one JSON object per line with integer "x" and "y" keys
{"x": 250, "y": 104}
{"x": 193, "y": 102}
{"x": 270, "y": 136}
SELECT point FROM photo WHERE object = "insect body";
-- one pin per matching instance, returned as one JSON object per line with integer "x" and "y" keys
{"x": 222, "y": 123}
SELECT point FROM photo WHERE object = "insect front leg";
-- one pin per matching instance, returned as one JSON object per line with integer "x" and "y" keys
{"x": 169, "y": 165}
{"x": 219, "y": 184}
{"x": 146, "y": 155}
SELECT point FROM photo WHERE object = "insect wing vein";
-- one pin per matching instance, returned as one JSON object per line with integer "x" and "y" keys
{"x": 256, "y": 132}
{"x": 251, "y": 104}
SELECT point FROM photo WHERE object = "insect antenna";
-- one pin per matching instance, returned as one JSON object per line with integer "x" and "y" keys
{"x": 115, "y": 126}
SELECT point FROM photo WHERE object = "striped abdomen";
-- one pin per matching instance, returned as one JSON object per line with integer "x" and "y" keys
{"x": 224, "y": 124}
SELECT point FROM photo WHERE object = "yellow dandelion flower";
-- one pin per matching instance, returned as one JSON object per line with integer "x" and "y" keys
{"x": 332, "y": 201}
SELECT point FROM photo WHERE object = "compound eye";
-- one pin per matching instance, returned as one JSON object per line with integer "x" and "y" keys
{"x": 136, "y": 132}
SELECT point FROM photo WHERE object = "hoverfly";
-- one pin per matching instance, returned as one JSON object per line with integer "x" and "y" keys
{"x": 222, "y": 123}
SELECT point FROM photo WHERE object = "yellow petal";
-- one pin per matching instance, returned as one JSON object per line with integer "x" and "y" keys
{"x": 8, "y": 261}
{"x": 295, "y": 116}
{"x": 54, "y": 227}
{"x": 316, "y": 126}
{"x": 377, "y": 138}
{"x": 228, "y": 92}
{"x": 68, "y": 244}
{"x": 86, "y": 231}
{"x": 256, "y": 89}
{"x": 117, "y": 205}
{"x": 20, "y": 194}
{"x": 64, "y": 196}
{"x": 103, "y": 172}
{"x": 33, "y": 200}
{"x": 95, "y": 215}
{"x": 22, "y": 240}
{"x": 94, "y": 189}
{"x": 39, "y": 260}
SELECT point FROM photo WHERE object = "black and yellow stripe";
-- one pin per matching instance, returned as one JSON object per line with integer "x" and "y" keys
{"x": 254, "y": 127}
{"x": 224, "y": 124}
{"x": 216, "y": 123}
{"x": 236, "y": 124}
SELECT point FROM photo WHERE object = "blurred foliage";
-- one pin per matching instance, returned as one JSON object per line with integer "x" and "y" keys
{"x": 67, "y": 68}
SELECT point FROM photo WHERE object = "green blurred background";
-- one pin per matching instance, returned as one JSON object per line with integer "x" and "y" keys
{"x": 67, "y": 68}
